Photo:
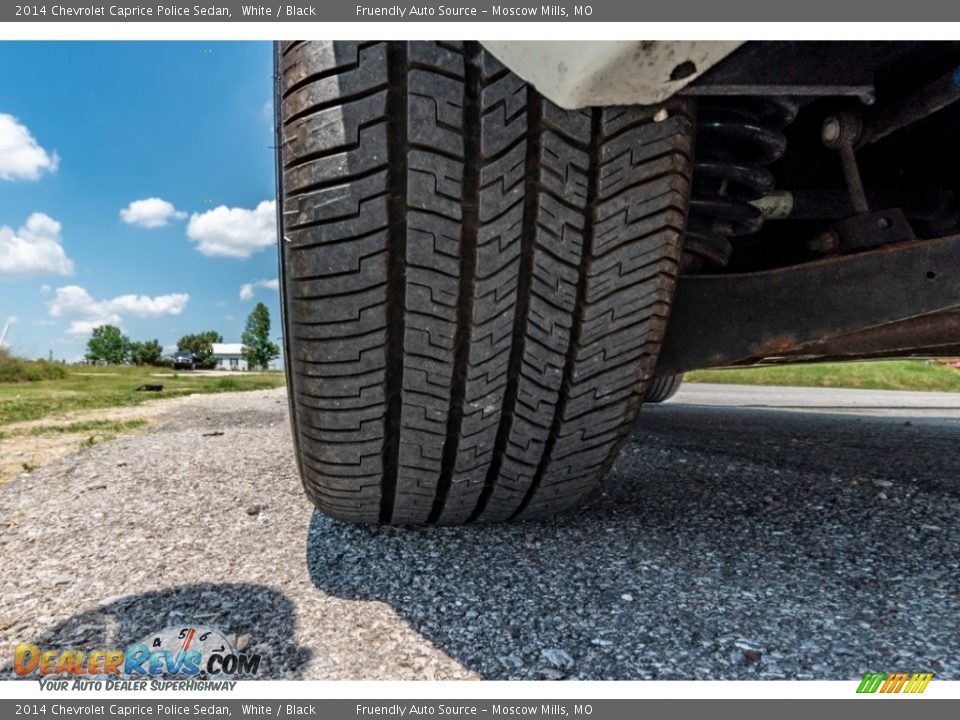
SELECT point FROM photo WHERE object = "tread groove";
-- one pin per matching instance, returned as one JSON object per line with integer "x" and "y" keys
{"x": 524, "y": 285}
{"x": 396, "y": 280}
{"x": 569, "y": 363}
{"x": 469, "y": 232}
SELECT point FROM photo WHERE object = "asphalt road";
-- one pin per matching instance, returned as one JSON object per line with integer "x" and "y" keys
{"x": 743, "y": 533}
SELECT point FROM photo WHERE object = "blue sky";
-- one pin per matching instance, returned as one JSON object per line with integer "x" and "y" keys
{"x": 136, "y": 187}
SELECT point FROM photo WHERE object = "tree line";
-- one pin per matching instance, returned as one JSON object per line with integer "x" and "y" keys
{"x": 108, "y": 344}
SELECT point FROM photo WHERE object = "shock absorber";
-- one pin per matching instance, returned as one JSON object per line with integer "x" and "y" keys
{"x": 736, "y": 139}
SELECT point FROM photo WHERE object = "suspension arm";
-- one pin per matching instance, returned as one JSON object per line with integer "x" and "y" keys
{"x": 722, "y": 320}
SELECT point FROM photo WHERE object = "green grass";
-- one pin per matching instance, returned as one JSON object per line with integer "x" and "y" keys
{"x": 109, "y": 427}
{"x": 17, "y": 370}
{"x": 876, "y": 375}
{"x": 90, "y": 388}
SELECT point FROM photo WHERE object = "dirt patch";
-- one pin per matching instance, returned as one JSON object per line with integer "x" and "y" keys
{"x": 25, "y": 448}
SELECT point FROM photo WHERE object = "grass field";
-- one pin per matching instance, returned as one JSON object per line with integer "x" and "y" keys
{"x": 89, "y": 388}
{"x": 877, "y": 375}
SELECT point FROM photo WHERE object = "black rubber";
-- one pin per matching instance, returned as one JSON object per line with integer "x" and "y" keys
{"x": 475, "y": 281}
{"x": 663, "y": 388}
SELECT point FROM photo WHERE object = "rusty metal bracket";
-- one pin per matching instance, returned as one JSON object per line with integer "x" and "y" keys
{"x": 791, "y": 68}
{"x": 871, "y": 230}
{"x": 720, "y": 320}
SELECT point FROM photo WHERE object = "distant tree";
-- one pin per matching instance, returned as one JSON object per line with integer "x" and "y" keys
{"x": 108, "y": 344}
{"x": 201, "y": 345}
{"x": 148, "y": 352}
{"x": 258, "y": 349}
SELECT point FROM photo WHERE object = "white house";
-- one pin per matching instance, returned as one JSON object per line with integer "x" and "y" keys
{"x": 229, "y": 356}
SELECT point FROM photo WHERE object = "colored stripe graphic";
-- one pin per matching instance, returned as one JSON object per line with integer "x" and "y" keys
{"x": 894, "y": 682}
{"x": 871, "y": 682}
{"x": 918, "y": 683}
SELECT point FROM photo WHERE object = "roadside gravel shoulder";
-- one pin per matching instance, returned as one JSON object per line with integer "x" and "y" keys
{"x": 201, "y": 519}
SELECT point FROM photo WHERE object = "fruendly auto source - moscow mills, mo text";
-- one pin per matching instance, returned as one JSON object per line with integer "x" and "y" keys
{"x": 493, "y": 11}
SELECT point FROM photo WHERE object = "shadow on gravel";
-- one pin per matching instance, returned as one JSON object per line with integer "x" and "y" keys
{"x": 233, "y": 609}
{"x": 725, "y": 545}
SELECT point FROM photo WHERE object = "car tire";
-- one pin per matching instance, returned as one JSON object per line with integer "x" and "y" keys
{"x": 475, "y": 282}
{"x": 663, "y": 388}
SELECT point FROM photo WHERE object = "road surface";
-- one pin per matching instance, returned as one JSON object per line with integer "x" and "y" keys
{"x": 744, "y": 533}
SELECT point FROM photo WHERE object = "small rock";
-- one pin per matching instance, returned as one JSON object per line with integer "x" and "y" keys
{"x": 627, "y": 597}
{"x": 883, "y": 483}
{"x": 752, "y": 656}
{"x": 557, "y": 658}
{"x": 255, "y": 509}
{"x": 549, "y": 673}
{"x": 511, "y": 662}
{"x": 931, "y": 528}
{"x": 243, "y": 641}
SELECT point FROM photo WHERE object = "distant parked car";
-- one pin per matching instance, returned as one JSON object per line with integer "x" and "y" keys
{"x": 183, "y": 360}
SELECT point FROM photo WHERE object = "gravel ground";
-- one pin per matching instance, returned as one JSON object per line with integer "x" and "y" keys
{"x": 761, "y": 542}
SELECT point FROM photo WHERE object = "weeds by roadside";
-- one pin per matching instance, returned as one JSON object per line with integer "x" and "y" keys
{"x": 876, "y": 375}
{"x": 89, "y": 388}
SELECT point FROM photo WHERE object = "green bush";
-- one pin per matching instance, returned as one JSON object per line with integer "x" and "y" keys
{"x": 17, "y": 370}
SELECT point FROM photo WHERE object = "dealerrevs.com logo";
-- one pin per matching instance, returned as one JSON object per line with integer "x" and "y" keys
{"x": 177, "y": 652}
{"x": 890, "y": 683}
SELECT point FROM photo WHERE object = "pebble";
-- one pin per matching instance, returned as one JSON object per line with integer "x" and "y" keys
{"x": 557, "y": 658}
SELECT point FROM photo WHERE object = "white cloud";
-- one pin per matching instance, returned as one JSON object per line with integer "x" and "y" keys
{"x": 34, "y": 249}
{"x": 145, "y": 306}
{"x": 234, "y": 232}
{"x": 247, "y": 289}
{"x": 86, "y": 313}
{"x": 13, "y": 319}
{"x": 44, "y": 289}
{"x": 82, "y": 328}
{"x": 150, "y": 213}
{"x": 21, "y": 157}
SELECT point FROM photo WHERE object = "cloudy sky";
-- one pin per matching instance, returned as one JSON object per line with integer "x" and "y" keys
{"x": 136, "y": 188}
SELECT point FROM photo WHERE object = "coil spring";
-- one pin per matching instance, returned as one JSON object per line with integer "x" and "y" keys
{"x": 736, "y": 139}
